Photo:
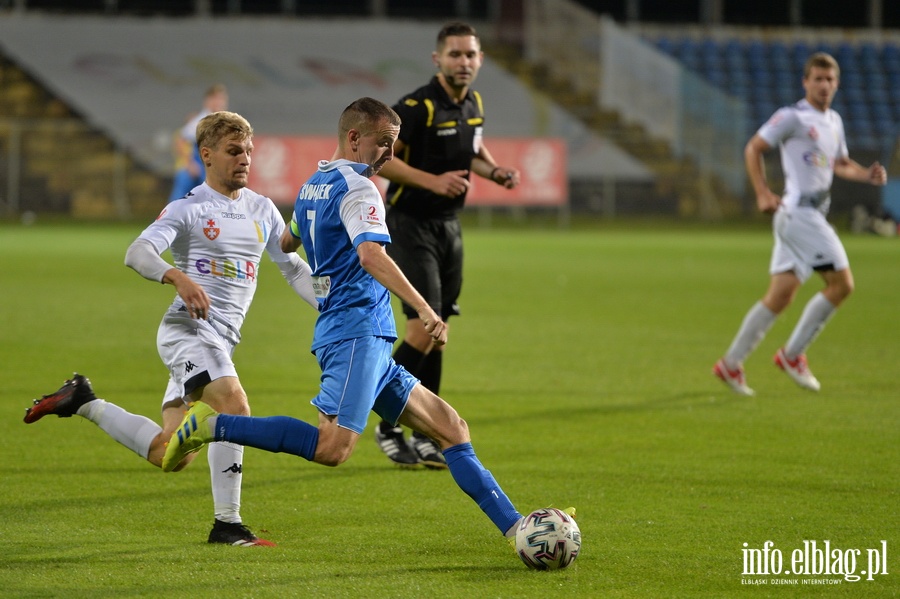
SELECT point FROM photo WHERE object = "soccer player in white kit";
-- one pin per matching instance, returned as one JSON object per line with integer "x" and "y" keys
{"x": 813, "y": 150}
{"x": 217, "y": 235}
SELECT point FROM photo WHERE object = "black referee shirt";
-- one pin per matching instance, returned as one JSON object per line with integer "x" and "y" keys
{"x": 440, "y": 136}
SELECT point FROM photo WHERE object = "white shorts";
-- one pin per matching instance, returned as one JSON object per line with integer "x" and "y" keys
{"x": 195, "y": 353}
{"x": 805, "y": 242}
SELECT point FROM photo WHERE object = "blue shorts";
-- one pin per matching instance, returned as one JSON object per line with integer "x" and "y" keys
{"x": 360, "y": 376}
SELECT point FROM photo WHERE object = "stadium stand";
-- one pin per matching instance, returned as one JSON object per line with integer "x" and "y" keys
{"x": 64, "y": 164}
{"x": 134, "y": 79}
{"x": 767, "y": 74}
{"x": 613, "y": 157}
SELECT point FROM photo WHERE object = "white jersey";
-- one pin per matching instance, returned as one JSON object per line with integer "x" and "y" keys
{"x": 810, "y": 141}
{"x": 218, "y": 243}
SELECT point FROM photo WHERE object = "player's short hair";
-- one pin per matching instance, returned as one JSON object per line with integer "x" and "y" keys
{"x": 365, "y": 114}
{"x": 455, "y": 29}
{"x": 215, "y": 89}
{"x": 821, "y": 60}
{"x": 216, "y": 126}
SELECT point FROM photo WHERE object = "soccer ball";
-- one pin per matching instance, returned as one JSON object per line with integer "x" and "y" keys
{"x": 548, "y": 539}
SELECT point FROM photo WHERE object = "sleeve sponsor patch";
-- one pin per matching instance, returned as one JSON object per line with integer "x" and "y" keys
{"x": 370, "y": 213}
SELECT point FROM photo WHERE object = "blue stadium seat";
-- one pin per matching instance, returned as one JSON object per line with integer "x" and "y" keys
{"x": 709, "y": 48}
{"x": 826, "y": 47}
{"x": 877, "y": 96}
{"x": 864, "y": 141}
{"x": 852, "y": 95}
{"x": 686, "y": 47}
{"x": 768, "y": 75}
{"x": 778, "y": 49}
{"x": 801, "y": 51}
{"x": 891, "y": 65}
{"x": 756, "y": 49}
{"x": 875, "y": 79}
{"x": 885, "y": 128}
{"x": 665, "y": 45}
{"x": 893, "y": 77}
{"x": 787, "y": 95}
{"x": 782, "y": 64}
{"x": 851, "y": 80}
{"x": 868, "y": 51}
{"x": 789, "y": 80}
{"x": 761, "y": 77}
{"x": 845, "y": 52}
{"x": 738, "y": 87}
{"x": 717, "y": 77}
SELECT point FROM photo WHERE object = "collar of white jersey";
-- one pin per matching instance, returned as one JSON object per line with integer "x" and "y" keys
{"x": 221, "y": 196}
{"x": 358, "y": 167}
{"x": 805, "y": 105}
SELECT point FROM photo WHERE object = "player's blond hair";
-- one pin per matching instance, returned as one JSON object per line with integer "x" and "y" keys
{"x": 215, "y": 127}
{"x": 821, "y": 60}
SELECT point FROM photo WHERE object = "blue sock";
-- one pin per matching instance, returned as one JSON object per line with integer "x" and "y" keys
{"x": 275, "y": 434}
{"x": 478, "y": 483}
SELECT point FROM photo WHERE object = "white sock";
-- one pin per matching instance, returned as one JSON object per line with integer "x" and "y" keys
{"x": 134, "y": 431}
{"x": 815, "y": 314}
{"x": 512, "y": 529}
{"x": 225, "y": 468}
{"x": 756, "y": 324}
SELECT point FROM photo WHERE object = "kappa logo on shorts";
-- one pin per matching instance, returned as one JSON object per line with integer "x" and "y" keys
{"x": 211, "y": 230}
{"x": 189, "y": 366}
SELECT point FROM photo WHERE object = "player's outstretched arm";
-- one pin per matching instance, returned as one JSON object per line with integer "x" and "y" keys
{"x": 298, "y": 275}
{"x": 143, "y": 259}
{"x": 374, "y": 259}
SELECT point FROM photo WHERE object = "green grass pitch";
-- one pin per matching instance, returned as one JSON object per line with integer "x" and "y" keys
{"x": 582, "y": 364}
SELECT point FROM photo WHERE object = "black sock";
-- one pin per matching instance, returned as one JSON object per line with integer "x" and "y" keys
{"x": 430, "y": 371}
{"x": 430, "y": 374}
{"x": 410, "y": 358}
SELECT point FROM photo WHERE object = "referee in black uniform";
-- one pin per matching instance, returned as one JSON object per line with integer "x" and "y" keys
{"x": 439, "y": 146}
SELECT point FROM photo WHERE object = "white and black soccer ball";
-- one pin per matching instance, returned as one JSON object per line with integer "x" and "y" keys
{"x": 548, "y": 539}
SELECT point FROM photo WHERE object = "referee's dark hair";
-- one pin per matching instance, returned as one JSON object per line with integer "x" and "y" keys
{"x": 455, "y": 29}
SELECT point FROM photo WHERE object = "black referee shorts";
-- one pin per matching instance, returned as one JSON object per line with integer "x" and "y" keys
{"x": 429, "y": 251}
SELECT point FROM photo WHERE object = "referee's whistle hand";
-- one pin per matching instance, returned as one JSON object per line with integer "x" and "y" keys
{"x": 451, "y": 183}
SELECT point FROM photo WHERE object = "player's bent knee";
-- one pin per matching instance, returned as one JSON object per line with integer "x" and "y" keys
{"x": 332, "y": 459}
{"x": 332, "y": 454}
{"x": 459, "y": 431}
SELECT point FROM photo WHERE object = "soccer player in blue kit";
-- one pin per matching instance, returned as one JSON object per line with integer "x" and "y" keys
{"x": 339, "y": 219}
